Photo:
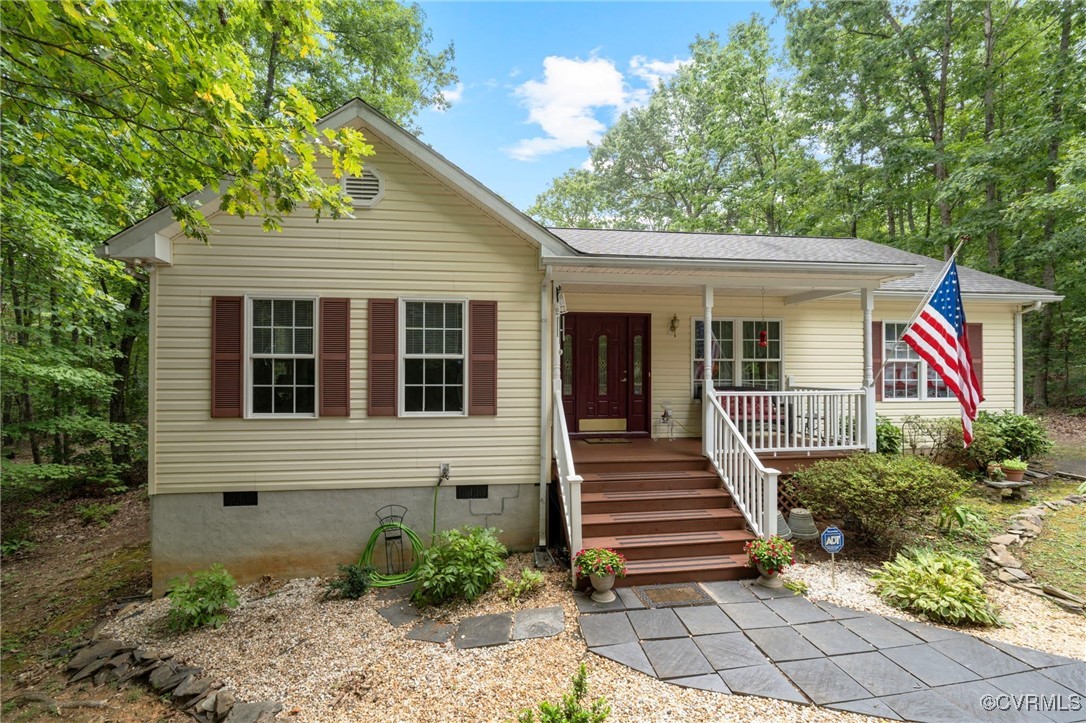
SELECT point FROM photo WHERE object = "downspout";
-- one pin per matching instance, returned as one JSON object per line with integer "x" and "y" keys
{"x": 546, "y": 307}
{"x": 1019, "y": 402}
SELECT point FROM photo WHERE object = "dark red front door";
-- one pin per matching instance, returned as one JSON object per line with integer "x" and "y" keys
{"x": 608, "y": 356}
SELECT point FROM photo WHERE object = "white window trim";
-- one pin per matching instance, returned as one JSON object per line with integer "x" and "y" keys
{"x": 247, "y": 356}
{"x": 401, "y": 355}
{"x": 380, "y": 187}
{"x": 737, "y": 349}
{"x": 921, "y": 376}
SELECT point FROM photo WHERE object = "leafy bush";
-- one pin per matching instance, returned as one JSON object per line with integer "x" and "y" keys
{"x": 353, "y": 581}
{"x": 97, "y": 513}
{"x": 530, "y": 580}
{"x": 882, "y": 493}
{"x": 941, "y": 439}
{"x": 460, "y": 564}
{"x": 572, "y": 708}
{"x": 202, "y": 599}
{"x": 941, "y": 586}
{"x": 1024, "y": 437}
{"x": 887, "y": 436}
{"x": 962, "y": 516}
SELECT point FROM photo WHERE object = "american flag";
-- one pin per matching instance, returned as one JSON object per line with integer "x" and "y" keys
{"x": 938, "y": 335}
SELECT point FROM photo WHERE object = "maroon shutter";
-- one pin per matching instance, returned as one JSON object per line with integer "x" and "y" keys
{"x": 876, "y": 358}
{"x": 382, "y": 368}
{"x": 974, "y": 333}
{"x": 483, "y": 357}
{"x": 335, "y": 358}
{"x": 227, "y": 326}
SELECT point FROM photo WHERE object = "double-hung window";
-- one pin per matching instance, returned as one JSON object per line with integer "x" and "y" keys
{"x": 434, "y": 340}
{"x": 755, "y": 344}
{"x": 282, "y": 357}
{"x": 903, "y": 370}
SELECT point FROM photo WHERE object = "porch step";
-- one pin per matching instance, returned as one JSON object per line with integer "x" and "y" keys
{"x": 640, "y": 479}
{"x": 686, "y": 569}
{"x": 605, "y": 524}
{"x": 671, "y": 464}
{"x": 675, "y": 544}
{"x": 653, "y": 499}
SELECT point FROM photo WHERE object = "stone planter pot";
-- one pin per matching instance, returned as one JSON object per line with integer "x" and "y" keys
{"x": 769, "y": 579}
{"x": 1014, "y": 475}
{"x": 602, "y": 587}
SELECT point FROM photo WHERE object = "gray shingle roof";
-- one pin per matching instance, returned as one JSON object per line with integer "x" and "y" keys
{"x": 806, "y": 249}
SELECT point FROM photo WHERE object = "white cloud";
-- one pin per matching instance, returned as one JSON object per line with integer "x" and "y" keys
{"x": 565, "y": 103}
{"x": 454, "y": 94}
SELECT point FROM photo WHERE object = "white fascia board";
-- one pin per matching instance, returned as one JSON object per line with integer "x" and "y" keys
{"x": 881, "y": 272}
{"x": 151, "y": 249}
{"x": 995, "y": 298}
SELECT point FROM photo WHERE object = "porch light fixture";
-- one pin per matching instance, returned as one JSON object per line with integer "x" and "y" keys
{"x": 673, "y": 325}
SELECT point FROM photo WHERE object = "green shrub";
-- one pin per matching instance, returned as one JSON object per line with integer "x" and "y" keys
{"x": 530, "y": 580}
{"x": 202, "y": 599}
{"x": 460, "y": 564}
{"x": 97, "y": 513}
{"x": 887, "y": 436}
{"x": 941, "y": 586}
{"x": 572, "y": 709}
{"x": 352, "y": 583}
{"x": 1024, "y": 437}
{"x": 882, "y": 493}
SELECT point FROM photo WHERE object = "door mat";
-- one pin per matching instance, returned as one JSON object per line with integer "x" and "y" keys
{"x": 606, "y": 440}
{"x": 673, "y": 595}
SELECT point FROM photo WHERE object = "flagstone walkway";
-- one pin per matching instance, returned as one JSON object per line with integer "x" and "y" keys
{"x": 772, "y": 643}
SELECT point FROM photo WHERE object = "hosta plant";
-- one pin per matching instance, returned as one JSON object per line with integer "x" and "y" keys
{"x": 940, "y": 586}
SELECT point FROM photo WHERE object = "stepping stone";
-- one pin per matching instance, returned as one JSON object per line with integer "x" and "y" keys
{"x": 870, "y": 706}
{"x": 1052, "y": 692}
{"x": 763, "y": 680}
{"x": 823, "y": 682}
{"x": 1070, "y": 676}
{"x": 780, "y": 644}
{"x": 928, "y": 633}
{"x": 432, "y": 631}
{"x": 706, "y": 620}
{"x": 677, "y": 658}
{"x": 400, "y": 614}
{"x": 607, "y": 629}
{"x": 877, "y": 673}
{"x": 930, "y": 666}
{"x": 840, "y": 613}
{"x": 833, "y": 638}
{"x": 711, "y": 682}
{"x": 924, "y": 706}
{"x": 585, "y": 604}
{"x": 729, "y": 650}
{"x": 971, "y": 697}
{"x": 880, "y": 632}
{"x": 399, "y": 592}
{"x": 630, "y": 599}
{"x": 728, "y": 592}
{"x": 768, "y": 593}
{"x": 981, "y": 658}
{"x": 629, "y": 654}
{"x": 752, "y": 615}
{"x": 656, "y": 624}
{"x": 1029, "y": 656}
{"x": 797, "y": 610}
{"x": 538, "y": 623}
{"x": 484, "y": 631}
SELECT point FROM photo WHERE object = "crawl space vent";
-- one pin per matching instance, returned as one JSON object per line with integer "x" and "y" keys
{"x": 472, "y": 492}
{"x": 365, "y": 190}
{"x": 239, "y": 499}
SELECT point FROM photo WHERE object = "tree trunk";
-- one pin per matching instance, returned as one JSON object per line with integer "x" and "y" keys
{"x": 122, "y": 369}
{"x": 890, "y": 222}
{"x": 990, "y": 195}
{"x": 22, "y": 338}
{"x": 269, "y": 83}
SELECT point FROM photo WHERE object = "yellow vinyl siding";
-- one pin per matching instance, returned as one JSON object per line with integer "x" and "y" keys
{"x": 421, "y": 240}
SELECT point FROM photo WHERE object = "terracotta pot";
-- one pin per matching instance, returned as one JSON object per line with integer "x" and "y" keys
{"x": 602, "y": 586}
{"x": 769, "y": 579}
{"x": 1014, "y": 475}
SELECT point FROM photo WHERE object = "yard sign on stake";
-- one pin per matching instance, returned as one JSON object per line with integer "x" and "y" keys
{"x": 833, "y": 541}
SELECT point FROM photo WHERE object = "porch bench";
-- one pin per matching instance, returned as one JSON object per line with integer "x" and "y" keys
{"x": 754, "y": 409}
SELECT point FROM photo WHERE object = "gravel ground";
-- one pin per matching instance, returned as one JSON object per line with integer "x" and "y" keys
{"x": 340, "y": 661}
{"x": 1031, "y": 621}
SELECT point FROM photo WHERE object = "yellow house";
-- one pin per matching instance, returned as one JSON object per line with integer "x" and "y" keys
{"x": 443, "y": 352}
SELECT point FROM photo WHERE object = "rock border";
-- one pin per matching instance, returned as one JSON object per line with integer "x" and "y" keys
{"x": 1026, "y": 525}
{"x": 206, "y": 700}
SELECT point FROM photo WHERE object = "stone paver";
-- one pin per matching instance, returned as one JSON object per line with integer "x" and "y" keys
{"x": 538, "y": 623}
{"x": 400, "y": 614}
{"x": 432, "y": 631}
{"x": 585, "y": 604}
{"x": 778, "y": 645}
{"x": 629, "y": 599}
{"x": 484, "y": 631}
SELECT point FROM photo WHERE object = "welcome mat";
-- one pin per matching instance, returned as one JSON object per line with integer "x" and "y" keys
{"x": 606, "y": 440}
{"x": 674, "y": 595}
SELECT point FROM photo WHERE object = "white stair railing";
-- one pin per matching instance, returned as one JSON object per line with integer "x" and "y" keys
{"x": 569, "y": 482}
{"x": 799, "y": 420}
{"x": 751, "y": 484}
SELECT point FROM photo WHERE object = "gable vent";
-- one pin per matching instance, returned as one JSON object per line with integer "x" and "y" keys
{"x": 365, "y": 190}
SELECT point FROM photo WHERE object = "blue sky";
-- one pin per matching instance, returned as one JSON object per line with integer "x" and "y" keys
{"x": 538, "y": 81}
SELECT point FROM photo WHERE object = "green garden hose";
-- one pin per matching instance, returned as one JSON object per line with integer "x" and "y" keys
{"x": 379, "y": 580}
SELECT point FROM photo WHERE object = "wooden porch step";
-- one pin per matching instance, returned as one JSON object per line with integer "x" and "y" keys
{"x": 686, "y": 569}
{"x": 677, "y": 464}
{"x": 675, "y": 544}
{"x": 644, "y": 479}
{"x": 609, "y": 524}
{"x": 644, "y": 500}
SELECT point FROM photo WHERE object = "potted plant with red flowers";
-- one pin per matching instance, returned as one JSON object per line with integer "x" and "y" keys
{"x": 770, "y": 555}
{"x": 601, "y": 566}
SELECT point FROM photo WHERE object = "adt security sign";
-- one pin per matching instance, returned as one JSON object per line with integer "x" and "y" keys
{"x": 833, "y": 540}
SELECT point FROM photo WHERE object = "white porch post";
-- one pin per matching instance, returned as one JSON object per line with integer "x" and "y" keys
{"x": 707, "y": 373}
{"x": 867, "y": 302}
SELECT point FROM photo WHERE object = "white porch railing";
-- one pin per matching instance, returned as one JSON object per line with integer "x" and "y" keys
{"x": 799, "y": 420}
{"x": 752, "y": 486}
{"x": 569, "y": 482}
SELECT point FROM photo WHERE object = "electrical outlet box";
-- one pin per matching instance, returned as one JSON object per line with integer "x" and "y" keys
{"x": 444, "y": 470}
